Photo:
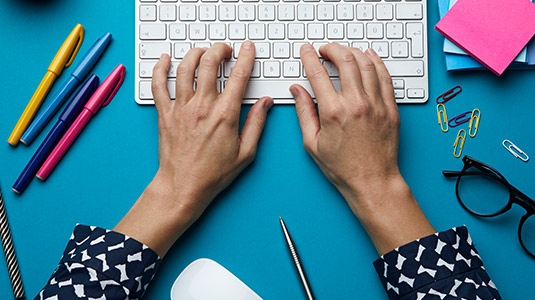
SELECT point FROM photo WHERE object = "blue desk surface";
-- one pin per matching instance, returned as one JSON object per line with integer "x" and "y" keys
{"x": 115, "y": 158}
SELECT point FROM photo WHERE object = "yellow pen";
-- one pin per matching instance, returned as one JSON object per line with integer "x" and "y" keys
{"x": 63, "y": 59}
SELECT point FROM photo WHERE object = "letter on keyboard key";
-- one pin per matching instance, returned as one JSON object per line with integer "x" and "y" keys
{"x": 408, "y": 68}
{"x": 153, "y": 50}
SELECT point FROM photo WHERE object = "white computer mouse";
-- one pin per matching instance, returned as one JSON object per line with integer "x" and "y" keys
{"x": 204, "y": 279}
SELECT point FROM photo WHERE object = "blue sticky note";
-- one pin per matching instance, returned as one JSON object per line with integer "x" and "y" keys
{"x": 450, "y": 47}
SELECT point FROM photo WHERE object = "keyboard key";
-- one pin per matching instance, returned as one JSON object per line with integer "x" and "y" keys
{"x": 266, "y": 12}
{"x": 415, "y": 93}
{"x": 167, "y": 13}
{"x": 364, "y": 12}
{"x": 399, "y": 94}
{"x": 296, "y": 49}
{"x": 381, "y": 48}
{"x": 355, "y": 31}
{"x": 236, "y": 31}
{"x": 217, "y": 31}
{"x": 227, "y": 12}
{"x": 360, "y": 45}
{"x": 153, "y": 50}
{"x": 281, "y": 50}
{"x": 384, "y": 12}
{"x": 263, "y": 50}
{"x": 145, "y": 90}
{"x": 331, "y": 68}
{"x": 400, "y": 49}
{"x": 197, "y": 31}
{"x": 407, "y": 68}
{"x": 394, "y": 30}
{"x": 296, "y": 31}
{"x": 412, "y": 11}
{"x": 246, "y": 12}
{"x": 335, "y": 31}
{"x": 315, "y": 31}
{"x": 286, "y": 12}
{"x": 147, "y": 12}
{"x": 207, "y": 12}
{"x": 276, "y": 31}
{"x": 278, "y": 89}
{"x": 272, "y": 69}
{"x": 415, "y": 33}
{"x": 257, "y": 31}
{"x": 305, "y": 12}
{"x": 398, "y": 83}
{"x": 256, "y": 70}
{"x": 344, "y": 12}
{"x": 291, "y": 69}
{"x": 181, "y": 49}
{"x": 177, "y": 31}
{"x": 152, "y": 31}
{"x": 187, "y": 12}
{"x": 374, "y": 30}
{"x": 325, "y": 12}
{"x": 227, "y": 67}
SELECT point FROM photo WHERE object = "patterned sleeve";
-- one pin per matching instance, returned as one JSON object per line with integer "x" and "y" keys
{"x": 442, "y": 266}
{"x": 100, "y": 264}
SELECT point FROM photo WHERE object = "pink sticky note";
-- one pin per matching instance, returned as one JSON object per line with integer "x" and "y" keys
{"x": 492, "y": 31}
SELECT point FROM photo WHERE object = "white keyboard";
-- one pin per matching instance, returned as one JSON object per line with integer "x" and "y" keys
{"x": 395, "y": 29}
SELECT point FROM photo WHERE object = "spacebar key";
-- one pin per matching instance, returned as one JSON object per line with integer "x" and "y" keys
{"x": 414, "y": 68}
{"x": 278, "y": 89}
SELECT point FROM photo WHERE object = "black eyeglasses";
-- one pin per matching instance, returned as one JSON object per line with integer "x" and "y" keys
{"x": 484, "y": 192}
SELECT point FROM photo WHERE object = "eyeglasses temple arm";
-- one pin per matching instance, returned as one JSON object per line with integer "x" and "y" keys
{"x": 449, "y": 174}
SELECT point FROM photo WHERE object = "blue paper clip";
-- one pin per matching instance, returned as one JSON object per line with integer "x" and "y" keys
{"x": 462, "y": 121}
{"x": 457, "y": 145}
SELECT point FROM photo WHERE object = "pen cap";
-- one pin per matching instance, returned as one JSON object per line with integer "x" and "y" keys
{"x": 68, "y": 50}
{"x": 80, "y": 99}
{"x": 107, "y": 90}
{"x": 91, "y": 57}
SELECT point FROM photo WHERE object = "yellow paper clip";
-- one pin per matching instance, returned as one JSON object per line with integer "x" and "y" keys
{"x": 442, "y": 117}
{"x": 457, "y": 146}
{"x": 476, "y": 117}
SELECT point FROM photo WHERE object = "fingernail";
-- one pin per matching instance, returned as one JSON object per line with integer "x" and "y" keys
{"x": 162, "y": 56}
{"x": 294, "y": 92}
{"x": 268, "y": 103}
{"x": 307, "y": 47}
{"x": 247, "y": 45}
{"x": 371, "y": 52}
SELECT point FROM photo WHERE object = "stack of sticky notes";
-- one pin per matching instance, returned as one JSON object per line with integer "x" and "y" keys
{"x": 496, "y": 34}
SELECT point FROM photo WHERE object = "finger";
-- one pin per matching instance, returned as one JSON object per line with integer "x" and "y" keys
{"x": 253, "y": 127}
{"x": 307, "y": 115}
{"x": 239, "y": 76}
{"x": 385, "y": 80}
{"x": 185, "y": 75}
{"x": 162, "y": 100}
{"x": 368, "y": 74}
{"x": 317, "y": 75}
{"x": 208, "y": 67}
{"x": 346, "y": 63}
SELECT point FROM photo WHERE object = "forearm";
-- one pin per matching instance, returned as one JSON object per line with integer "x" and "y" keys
{"x": 389, "y": 212}
{"x": 158, "y": 219}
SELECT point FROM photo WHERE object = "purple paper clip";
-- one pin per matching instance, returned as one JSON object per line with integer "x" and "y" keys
{"x": 462, "y": 121}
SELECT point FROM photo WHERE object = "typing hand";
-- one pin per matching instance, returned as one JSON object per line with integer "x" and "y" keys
{"x": 355, "y": 138}
{"x": 201, "y": 150}
{"x": 355, "y": 142}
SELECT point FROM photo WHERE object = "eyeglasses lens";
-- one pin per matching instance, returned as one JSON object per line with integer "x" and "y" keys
{"x": 527, "y": 234}
{"x": 482, "y": 191}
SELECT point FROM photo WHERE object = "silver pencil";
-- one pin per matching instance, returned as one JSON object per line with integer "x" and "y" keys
{"x": 297, "y": 261}
{"x": 9, "y": 252}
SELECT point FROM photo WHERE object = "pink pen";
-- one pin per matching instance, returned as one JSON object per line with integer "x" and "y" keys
{"x": 102, "y": 97}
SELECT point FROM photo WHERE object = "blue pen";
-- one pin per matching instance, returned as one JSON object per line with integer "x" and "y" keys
{"x": 65, "y": 120}
{"x": 77, "y": 76}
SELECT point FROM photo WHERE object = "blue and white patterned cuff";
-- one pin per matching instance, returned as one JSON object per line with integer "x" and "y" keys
{"x": 443, "y": 264}
{"x": 111, "y": 258}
